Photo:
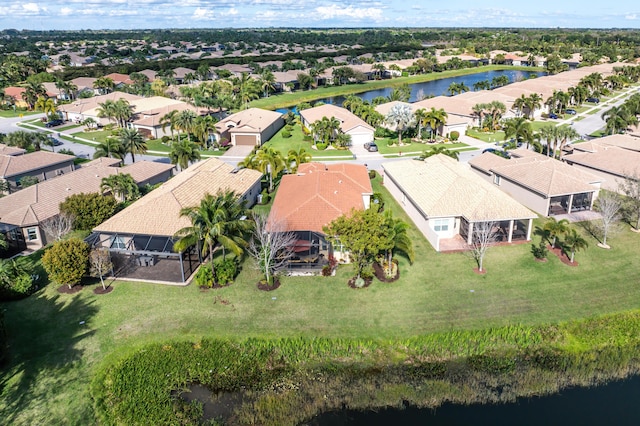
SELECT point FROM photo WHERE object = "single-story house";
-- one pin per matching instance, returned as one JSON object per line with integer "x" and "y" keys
{"x": 545, "y": 185}
{"x": 251, "y": 127}
{"x": 446, "y": 200}
{"x": 140, "y": 238}
{"x": 608, "y": 159}
{"x": 23, "y": 212}
{"x": 11, "y": 150}
{"x": 42, "y": 165}
{"x": 361, "y": 132}
{"x": 14, "y": 95}
{"x": 311, "y": 199}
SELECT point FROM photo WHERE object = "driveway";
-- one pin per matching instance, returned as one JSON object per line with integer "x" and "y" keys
{"x": 238, "y": 152}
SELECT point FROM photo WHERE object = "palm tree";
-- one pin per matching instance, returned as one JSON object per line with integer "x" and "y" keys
{"x": 518, "y": 128}
{"x": 219, "y": 219}
{"x": 400, "y": 116}
{"x": 420, "y": 117}
{"x": 297, "y": 157}
{"x": 574, "y": 242}
{"x": 479, "y": 110}
{"x": 270, "y": 162}
{"x": 618, "y": 118}
{"x": 122, "y": 112}
{"x": 121, "y": 186}
{"x": 104, "y": 85}
{"x": 112, "y": 148}
{"x": 47, "y": 105}
{"x": 398, "y": 238}
{"x": 456, "y": 88}
{"x": 555, "y": 228}
{"x": 440, "y": 150}
{"x": 169, "y": 120}
{"x": 184, "y": 152}
{"x": 532, "y": 103}
{"x": 133, "y": 142}
{"x": 520, "y": 103}
{"x": 250, "y": 161}
{"x": 550, "y": 134}
{"x": 435, "y": 119}
{"x": 203, "y": 129}
{"x": 32, "y": 91}
{"x": 267, "y": 82}
{"x": 184, "y": 121}
{"x": 496, "y": 110}
{"x": 107, "y": 109}
{"x": 565, "y": 134}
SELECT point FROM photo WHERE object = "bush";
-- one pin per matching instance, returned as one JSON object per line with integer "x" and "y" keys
{"x": 67, "y": 261}
{"x": 66, "y": 151}
{"x": 265, "y": 196}
{"x": 540, "y": 251}
{"x": 454, "y": 135}
{"x": 321, "y": 146}
{"x": 372, "y": 174}
{"x": 89, "y": 210}
{"x": 166, "y": 139}
{"x": 380, "y": 132}
{"x": 307, "y": 138}
{"x": 286, "y": 134}
{"x": 204, "y": 276}
{"x": 16, "y": 281}
{"x": 226, "y": 271}
{"x": 391, "y": 142}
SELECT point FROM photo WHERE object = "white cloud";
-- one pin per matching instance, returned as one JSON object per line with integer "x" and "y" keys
{"x": 66, "y": 11}
{"x": 631, "y": 17}
{"x": 335, "y": 11}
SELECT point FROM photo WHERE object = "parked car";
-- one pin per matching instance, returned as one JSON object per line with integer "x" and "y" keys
{"x": 570, "y": 111}
{"x": 499, "y": 152}
{"x": 54, "y": 141}
{"x": 54, "y": 123}
{"x": 553, "y": 116}
{"x": 593, "y": 100}
{"x": 371, "y": 147}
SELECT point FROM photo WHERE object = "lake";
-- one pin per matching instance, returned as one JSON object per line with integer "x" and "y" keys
{"x": 615, "y": 403}
{"x": 434, "y": 87}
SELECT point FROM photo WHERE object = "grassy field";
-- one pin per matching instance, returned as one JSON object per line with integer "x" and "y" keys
{"x": 284, "y": 100}
{"x": 296, "y": 141}
{"x": 412, "y": 148}
{"x": 58, "y": 341}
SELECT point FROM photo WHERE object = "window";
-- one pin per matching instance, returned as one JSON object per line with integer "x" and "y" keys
{"x": 496, "y": 179}
{"x": 441, "y": 225}
{"x": 117, "y": 243}
{"x": 32, "y": 234}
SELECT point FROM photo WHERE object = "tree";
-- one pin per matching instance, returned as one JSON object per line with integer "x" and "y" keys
{"x": 57, "y": 226}
{"x": 27, "y": 181}
{"x": 112, "y": 148}
{"x": 185, "y": 121}
{"x": 398, "y": 239}
{"x": 608, "y": 204}
{"x": 555, "y": 228}
{"x": 297, "y": 157}
{"x": 565, "y": 134}
{"x": 107, "y": 109}
{"x": 271, "y": 246}
{"x": 270, "y": 162}
{"x": 218, "y": 219}
{"x": 457, "y": 88}
{"x": 496, "y": 110}
{"x": 88, "y": 210}
{"x": 47, "y": 105}
{"x": 104, "y": 85}
{"x": 133, "y": 142}
{"x": 574, "y": 242}
{"x": 484, "y": 236}
{"x": 66, "y": 261}
{"x": 435, "y": 119}
{"x": 183, "y": 153}
{"x": 362, "y": 233}
{"x": 618, "y": 118}
{"x": 400, "y": 116}
{"x": 100, "y": 264}
{"x": 439, "y": 150}
{"x": 630, "y": 187}
{"x": 121, "y": 186}
{"x": 518, "y": 128}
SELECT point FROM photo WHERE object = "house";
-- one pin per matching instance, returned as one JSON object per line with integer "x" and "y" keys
{"x": 311, "y": 199}
{"x": 612, "y": 159}
{"x": 42, "y": 165}
{"x": 22, "y": 213}
{"x": 350, "y": 124}
{"x": 446, "y": 200}
{"x": 84, "y": 85}
{"x": 140, "y": 237}
{"x": 118, "y": 79}
{"x": 251, "y": 127}
{"x": 545, "y": 185}
{"x": 14, "y": 95}
{"x": 11, "y": 150}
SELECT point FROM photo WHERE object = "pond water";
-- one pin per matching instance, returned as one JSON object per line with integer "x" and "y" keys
{"x": 435, "y": 87}
{"x": 615, "y": 403}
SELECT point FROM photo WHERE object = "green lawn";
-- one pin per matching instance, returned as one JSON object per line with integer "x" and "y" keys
{"x": 296, "y": 141}
{"x": 411, "y": 148}
{"x": 57, "y": 341}
{"x": 16, "y": 114}
{"x": 489, "y": 137}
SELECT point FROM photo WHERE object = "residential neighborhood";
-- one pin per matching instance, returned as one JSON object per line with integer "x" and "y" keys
{"x": 249, "y": 219}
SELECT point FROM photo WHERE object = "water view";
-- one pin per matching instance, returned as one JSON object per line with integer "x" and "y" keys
{"x": 435, "y": 87}
{"x": 615, "y": 403}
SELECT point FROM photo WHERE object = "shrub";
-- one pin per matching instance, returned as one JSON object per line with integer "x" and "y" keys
{"x": 380, "y": 132}
{"x": 204, "y": 276}
{"x": 15, "y": 280}
{"x": 67, "y": 261}
{"x": 166, "y": 139}
{"x": 540, "y": 251}
{"x": 359, "y": 282}
{"x": 89, "y": 210}
{"x": 372, "y": 174}
{"x": 454, "y": 135}
{"x": 265, "y": 196}
{"x": 286, "y": 134}
{"x": 307, "y": 138}
{"x": 226, "y": 271}
{"x": 321, "y": 146}
{"x": 391, "y": 142}
{"x": 66, "y": 151}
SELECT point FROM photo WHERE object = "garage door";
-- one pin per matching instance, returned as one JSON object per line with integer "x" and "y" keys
{"x": 361, "y": 138}
{"x": 246, "y": 140}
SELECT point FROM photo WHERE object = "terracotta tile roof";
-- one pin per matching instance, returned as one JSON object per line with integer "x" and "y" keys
{"x": 15, "y": 92}
{"x": 607, "y": 158}
{"x": 39, "y": 202}
{"x": 348, "y": 120}
{"x": 442, "y": 187}
{"x": 248, "y": 119}
{"x": 318, "y": 194}
{"x": 119, "y": 78}
{"x": 158, "y": 213}
{"x": 11, "y": 165}
{"x": 11, "y": 150}
{"x": 536, "y": 172}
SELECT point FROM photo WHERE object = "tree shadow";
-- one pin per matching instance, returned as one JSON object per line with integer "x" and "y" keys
{"x": 44, "y": 332}
{"x": 592, "y": 229}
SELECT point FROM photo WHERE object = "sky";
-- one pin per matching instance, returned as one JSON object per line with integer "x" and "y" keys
{"x": 143, "y": 14}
